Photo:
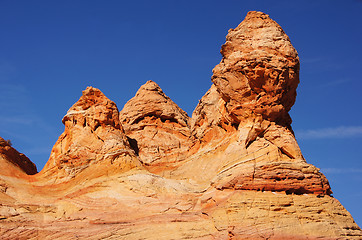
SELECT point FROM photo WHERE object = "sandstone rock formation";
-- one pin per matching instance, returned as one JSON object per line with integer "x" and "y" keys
{"x": 93, "y": 135}
{"x": 245, "y": 112}
{"x": 259, "y": 72}
{"x": 157, "y": 127}
{"x": 232, "y": 171}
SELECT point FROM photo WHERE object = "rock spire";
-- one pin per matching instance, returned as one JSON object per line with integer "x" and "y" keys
{"x": 259, "y": 72}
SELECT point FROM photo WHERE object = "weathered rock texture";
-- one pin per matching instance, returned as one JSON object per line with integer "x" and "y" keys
{"x": 259, "y": 72}
{"x": 157, "y": 128}
{"x": 232, "y": 171}
{"x": 93, "y": 135}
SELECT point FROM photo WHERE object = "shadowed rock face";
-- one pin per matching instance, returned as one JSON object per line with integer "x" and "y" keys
{"x": 232, "y": 171}
{"x": 14, "y": 159}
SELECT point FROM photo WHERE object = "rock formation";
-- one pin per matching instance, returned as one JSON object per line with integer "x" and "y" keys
{"x": 93, "y": 135}
{"x": 232, "y": 171}
{"x": 156, "y": 126}
{"x": 259, "y": 72}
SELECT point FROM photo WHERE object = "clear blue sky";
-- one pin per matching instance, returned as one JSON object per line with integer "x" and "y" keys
{"x": 52, "y": 50}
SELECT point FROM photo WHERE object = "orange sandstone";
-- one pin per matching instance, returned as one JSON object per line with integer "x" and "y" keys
{"x": 232, "y": 171}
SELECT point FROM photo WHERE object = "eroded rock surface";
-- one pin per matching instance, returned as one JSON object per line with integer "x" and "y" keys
{"x": 232, "y": 171}
{"x": 245, "y": 114}
{"x": 93, "y": 135}
{"x": 259, "y": 71}
{"x": 157, "y": 128}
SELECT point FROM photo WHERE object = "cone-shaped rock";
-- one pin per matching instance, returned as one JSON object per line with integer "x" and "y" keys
{"x": 156, "y": 126}
{"x": 92, "y": 135}
{"x": 150, "y": 101}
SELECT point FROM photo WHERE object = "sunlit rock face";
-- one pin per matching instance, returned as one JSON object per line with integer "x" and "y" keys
{"x": 259, "y": 71}
{"x": 254, "y": 87}
{"x": 158, "y": 129}
{"x": 93, "y": 135}
{"x": 232, "y": 171}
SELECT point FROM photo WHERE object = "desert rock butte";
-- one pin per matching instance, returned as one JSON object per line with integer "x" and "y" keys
{"x": 233, "y": 170}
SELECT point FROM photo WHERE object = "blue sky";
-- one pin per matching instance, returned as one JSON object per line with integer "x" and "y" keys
{"x": 52, "y": 50}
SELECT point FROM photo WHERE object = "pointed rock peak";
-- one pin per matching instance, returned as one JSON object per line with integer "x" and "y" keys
{"x": 259, "y": 72}
{"x": 93, "y": 109}
{"x": 152, "y": 92}
{"x": 151, "y": 101}
{"x": 150, "y": 86}
{"x": 255, "y": 16}
{"x": 260, "y": 33}
{"x": 90, "y": 96}
{"x": 91, "y": 91}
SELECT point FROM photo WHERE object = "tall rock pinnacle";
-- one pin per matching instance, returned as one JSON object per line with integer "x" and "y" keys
{"x": 259, "y": 71}
{"x": 93, "y": 134}
{"x": 246, "y": 109}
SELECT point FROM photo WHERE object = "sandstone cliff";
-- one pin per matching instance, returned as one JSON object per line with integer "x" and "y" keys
{"x": 232, "y": 171}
